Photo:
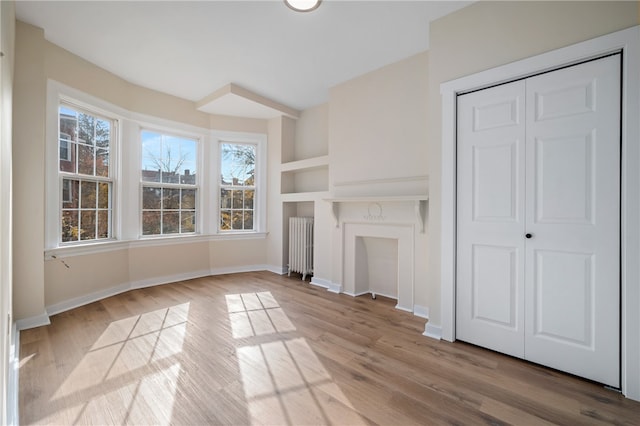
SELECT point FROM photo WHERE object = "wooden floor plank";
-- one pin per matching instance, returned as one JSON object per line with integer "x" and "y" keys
{"x": 259, "y": 348}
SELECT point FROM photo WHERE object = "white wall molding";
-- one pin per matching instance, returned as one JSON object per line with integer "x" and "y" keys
{"x": 627, "y": 41}
{"x": 320, "y": 282}
{"x": 401, "y": 308}
{"x": 13, "y": 412}
{"x": 238, "y": 269}
{"x": 335, "y": 288}
{"x": 76, "y": 302}
{"x": 280, "y": 270}
{"x": 114, "y": 245}
{"x": 169, "y": 279}
{"x": 432, "y": 331}
{"x": 96, "y": 296}
{"x": 33, "y": 322}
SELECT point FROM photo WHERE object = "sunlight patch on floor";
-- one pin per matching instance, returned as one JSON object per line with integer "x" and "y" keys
{"x": 284, "y": 381}
{"x": 256, "y": 314}
{"x": 130, "y": 365}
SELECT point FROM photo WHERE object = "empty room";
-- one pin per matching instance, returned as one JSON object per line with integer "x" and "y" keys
{"x": 292, "y": 212}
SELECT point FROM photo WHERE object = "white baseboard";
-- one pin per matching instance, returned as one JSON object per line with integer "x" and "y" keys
{"x": 389, "y": 296}
{"x": 320, "y": 282}
{"x": 280, "y": 270}
{"x": 335, "y": 288}
{"x": 330, "y": 286}
{"x": 76, "y": 302}
{"x": 168, "y": 279}
{"x": 13, "y": 413}
{"x": 421, "y": 311}
{"x": 433, "y": 331}
{"x": 148, "y": 282}
{"x": 238, "y": 269}
{"x": 402, "y": 308}
{"x": 33, "y": 322}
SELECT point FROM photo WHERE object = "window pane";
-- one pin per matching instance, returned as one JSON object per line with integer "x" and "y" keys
{"x": 225, "y": 199}
{"x": 225, "y": 220}
{"x": 67, "y": 156}
{"x": 188, "y": 157}
{"x": 103, "y": 133}
{"x": 88, "y": 225}
{"x": 171, "y": 160}
{"x": 151, "y": 156}
{"x": 86, "y": 126}
{"x": 85, "y": 160}
{"x": 103, "y": 195}
{"x": 69, "y": 225}
{"x": 170, "y": 222}
{"x": 102, "y": 162}
{"x": 237, "y": 199}
{"x": 68, "y": 124}
{"x": 248, "y": 219}
{"x": 150, "y": 223}
{"x": 151, "y": 197}
{"x": 188, "y": 199}
{"x": 188, "y": 221}
{"x": 170, "y": 198}
{"x": 103, "y": 224}
{"x": 237, "y": 220}
{"x": 238, "y": 164}
{"x": 248, "y": 199}
{"x": 70, "y": 193}
{"x": 88, "y": 195}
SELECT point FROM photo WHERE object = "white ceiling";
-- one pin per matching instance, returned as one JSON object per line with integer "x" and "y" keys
{"x": 191, "y": 49}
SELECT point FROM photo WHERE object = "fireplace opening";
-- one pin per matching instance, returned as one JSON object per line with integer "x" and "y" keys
{"x": 376, "y": 266}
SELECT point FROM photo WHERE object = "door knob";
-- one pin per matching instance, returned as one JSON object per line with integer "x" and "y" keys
{"x": 528, "y": 235}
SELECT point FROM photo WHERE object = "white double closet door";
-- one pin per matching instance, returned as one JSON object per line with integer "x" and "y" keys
{"x": 538, "y": 219}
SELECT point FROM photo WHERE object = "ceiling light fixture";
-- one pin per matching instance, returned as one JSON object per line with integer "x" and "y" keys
{"x": 303, "y": 5}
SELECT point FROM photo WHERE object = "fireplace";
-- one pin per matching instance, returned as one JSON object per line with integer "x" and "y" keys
{"x": 402, "y": 235}
{"x": 388, "y": 227}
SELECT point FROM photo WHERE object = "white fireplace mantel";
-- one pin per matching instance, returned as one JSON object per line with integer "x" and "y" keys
{"x": 419, "y": 203}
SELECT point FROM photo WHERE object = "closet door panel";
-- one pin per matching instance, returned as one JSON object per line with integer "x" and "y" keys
{"x": 572, "y": 277}
{"x": 491, "y": 218}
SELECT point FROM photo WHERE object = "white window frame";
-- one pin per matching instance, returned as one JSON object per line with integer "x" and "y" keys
{"x": 57, "y": 96}
{"x": 197, "y": 186}
{"x": 260, "y": 197}
{"x": 222, "y": 186}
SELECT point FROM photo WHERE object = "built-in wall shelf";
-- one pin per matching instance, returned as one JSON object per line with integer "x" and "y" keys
{"x": 303, "y": 196}
{"x": 419, "y": 203}
{"x": 306, "y": 164}
{"x": 302, "y": 176}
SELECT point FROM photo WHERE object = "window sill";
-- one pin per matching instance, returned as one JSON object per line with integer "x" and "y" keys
{"x": 115, "y": 245}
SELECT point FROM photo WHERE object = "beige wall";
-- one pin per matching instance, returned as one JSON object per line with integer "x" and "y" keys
{"x": 79, "y": 276}
{"x": 280, "y": 133}
{"x": 38, "y": 284}
{"x": 312, "y": 133}
{"x": 67, "y": 68}
{"x": 377, "y": 123}
{"x": 28, "y": 172}
{"x": 7, "y": 38}
{"x": 489, "y": 34}
{"x": 149, "y": 263}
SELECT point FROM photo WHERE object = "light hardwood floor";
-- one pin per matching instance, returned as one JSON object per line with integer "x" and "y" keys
{"x": 258, "y": 348}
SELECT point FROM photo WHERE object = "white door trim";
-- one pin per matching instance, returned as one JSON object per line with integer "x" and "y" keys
{"x": 627, "y": 41}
